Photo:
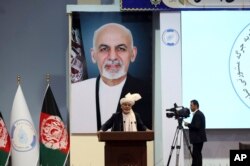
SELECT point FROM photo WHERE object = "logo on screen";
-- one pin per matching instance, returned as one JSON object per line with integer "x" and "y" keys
{"x": 170, "y": 37}
{"x": 239, "y": 65}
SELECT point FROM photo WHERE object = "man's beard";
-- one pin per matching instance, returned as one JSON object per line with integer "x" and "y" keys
{"x": 113, "y": 69}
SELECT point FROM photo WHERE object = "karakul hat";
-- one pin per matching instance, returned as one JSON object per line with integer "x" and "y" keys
{"x": 130, "y": 98}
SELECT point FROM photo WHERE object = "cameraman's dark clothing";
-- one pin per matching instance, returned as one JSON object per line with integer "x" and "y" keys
{"x": 197, "y": 136}
{"x": 116, "y": 123}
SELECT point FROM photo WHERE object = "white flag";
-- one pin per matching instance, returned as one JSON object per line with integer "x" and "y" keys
{"x": 24, "y": 140}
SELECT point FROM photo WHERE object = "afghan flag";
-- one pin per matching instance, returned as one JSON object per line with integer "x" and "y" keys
{"x": 54, "y": 139}
{"x": 24, "y": 140}
{"x": 4, "y": 143}
{"x": 77, "y": 55}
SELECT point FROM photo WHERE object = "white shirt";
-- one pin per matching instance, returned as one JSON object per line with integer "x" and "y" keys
{"x": 109, "y": 99}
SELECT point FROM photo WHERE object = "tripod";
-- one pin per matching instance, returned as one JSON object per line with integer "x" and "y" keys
{"x": 178, "y": 146}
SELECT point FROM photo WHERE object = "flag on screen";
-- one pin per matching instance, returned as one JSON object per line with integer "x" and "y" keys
{"x": 77, "y": 56}
{"x": 54, "y": 139}
{"x": 24, "y": 140}
{"x": 4, "y": 143}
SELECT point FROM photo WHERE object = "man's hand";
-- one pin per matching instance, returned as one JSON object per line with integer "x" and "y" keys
{"x": 186, "y": 123}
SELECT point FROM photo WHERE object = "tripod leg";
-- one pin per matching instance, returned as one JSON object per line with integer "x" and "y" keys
{"x": 187, "y": 143}
{"x": 173, "y": 145}
{"x": 178, "y": 147}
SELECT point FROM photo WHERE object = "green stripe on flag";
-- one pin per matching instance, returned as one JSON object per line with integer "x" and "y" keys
{"x": 50, "y": 157}
{"x": 3, "y": 158}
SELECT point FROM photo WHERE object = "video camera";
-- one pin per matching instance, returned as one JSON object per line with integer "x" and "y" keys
{"x": 179, "y": 112}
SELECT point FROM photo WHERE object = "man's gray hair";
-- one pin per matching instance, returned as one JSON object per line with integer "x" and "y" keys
{"x": 113, "y": 24}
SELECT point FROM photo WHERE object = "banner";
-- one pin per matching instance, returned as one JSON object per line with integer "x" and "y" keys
{"x": 54, "y": 139}
{"x": 24, "y": 141}
{"x": 115, "y": 68}
{"x": 174, "y": 5}
{"x": 4, "y": 143}
{"x": 143, "y": 5}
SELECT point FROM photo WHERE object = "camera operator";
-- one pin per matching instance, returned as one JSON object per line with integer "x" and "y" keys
{"x": 197, "y": 132}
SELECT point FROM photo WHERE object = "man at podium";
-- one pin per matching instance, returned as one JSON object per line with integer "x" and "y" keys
{"x": 126, "y": 119}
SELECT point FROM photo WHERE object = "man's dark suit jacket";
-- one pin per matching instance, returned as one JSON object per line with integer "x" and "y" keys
{"x": 116, "y": 123}
{"x": 197, "y": 132}
{"x": 143, "y": 106}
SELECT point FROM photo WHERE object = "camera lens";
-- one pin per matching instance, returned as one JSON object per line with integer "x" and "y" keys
{"x": 169, "y": 115}
{"x": 197, "y": 1}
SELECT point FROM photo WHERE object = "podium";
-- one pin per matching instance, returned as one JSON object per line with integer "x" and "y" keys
{"x": 126, "y": 148}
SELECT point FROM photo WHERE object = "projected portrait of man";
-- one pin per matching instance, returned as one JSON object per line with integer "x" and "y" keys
{"x": 94, "y": 100}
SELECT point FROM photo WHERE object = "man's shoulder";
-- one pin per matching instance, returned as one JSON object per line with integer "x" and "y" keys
{"x": 199, "y": 113}
{"x": 135, "y": 85}
{"x": 131, "y": 78}
{"x": 116, "y": 115}
{"x": 137, "y": 82}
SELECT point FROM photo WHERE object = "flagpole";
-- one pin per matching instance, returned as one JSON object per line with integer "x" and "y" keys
{"x": 18, "y": 79}
{"x": 7, "y": 162}
{"x": 48, "y": 78}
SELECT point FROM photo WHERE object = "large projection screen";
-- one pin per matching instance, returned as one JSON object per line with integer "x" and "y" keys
{"x": 215, "y": 70}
